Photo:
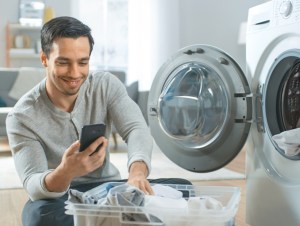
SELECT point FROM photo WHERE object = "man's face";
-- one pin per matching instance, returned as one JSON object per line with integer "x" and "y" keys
{"x": 67, "y": 66}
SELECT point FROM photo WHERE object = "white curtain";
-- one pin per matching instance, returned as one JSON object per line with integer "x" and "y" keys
{"x": 153, "y": 30}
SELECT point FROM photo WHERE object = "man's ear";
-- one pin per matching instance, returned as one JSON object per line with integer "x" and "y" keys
{"x": 43, "y": 58}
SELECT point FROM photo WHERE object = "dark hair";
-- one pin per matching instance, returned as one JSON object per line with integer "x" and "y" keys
{"x": 63, "y": 27}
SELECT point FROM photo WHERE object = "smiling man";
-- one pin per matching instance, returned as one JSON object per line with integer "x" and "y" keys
{"x": 45, "y": 125}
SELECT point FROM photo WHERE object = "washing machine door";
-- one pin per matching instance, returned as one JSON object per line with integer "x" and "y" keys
{"x": 199, "y": 108}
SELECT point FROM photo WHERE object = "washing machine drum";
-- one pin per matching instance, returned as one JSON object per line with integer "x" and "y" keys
{"x": 291, "y": 98}
{"x": 199, "y": 109}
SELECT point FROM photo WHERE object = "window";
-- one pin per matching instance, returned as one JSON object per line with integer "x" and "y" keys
{"x": 131, "y": 35}
{"x": 108, "y": 20}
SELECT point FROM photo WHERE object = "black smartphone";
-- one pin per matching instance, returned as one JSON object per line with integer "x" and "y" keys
{"x": 89, "y": 134}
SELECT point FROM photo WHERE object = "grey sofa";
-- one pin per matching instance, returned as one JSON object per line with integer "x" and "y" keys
{"x": 7, "y": 79}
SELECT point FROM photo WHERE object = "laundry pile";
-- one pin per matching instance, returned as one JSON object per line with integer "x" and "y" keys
{"x": 289, "y": 141}
{"x": 126, "y": 195}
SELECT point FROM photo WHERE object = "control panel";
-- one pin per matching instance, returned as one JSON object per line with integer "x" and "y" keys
{"x": 286, "y": 11}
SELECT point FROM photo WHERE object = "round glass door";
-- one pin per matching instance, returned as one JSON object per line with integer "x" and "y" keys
{"x": 193, "y": 105}
{"x": 199, "y": 109}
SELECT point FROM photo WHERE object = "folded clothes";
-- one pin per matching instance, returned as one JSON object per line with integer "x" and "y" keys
{"x": 166, "y": 191}
{"x": 120, "y": 195}
{"x": 204, "y": 203}
{"x": 77, "y": 197}
{"x": 125, "y": 195}
{"x": 152, "y": 201}
{"x": 289, "y": 141}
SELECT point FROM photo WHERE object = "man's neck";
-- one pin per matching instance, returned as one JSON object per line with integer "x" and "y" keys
{"x": 63, "y": 102}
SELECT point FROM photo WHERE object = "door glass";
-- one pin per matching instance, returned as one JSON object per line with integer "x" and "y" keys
{"x": 282, "y": 104}
{"x": 193, "y": 105}
{"x": 291, "y": 98}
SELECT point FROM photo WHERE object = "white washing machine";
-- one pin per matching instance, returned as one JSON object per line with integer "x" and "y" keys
{"x": 202, "y": 110}
{"x": 273, "y": 53}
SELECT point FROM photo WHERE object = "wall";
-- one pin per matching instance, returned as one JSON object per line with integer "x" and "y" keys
{"x": 215, "y": 23}
{"x": 158, "y": 28}
{"x": 9, "y": 11}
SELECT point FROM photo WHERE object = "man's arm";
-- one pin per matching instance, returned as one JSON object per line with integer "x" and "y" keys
{"x": 32, "y": 166}
{"x": 131, "y": 125}
{"x": 138, "y": 173}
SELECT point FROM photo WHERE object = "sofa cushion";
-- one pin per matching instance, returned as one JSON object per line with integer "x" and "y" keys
{"x": 3, "y": 114}
{"x": 7, "y": 79}
{"x": 143, "y": 102}
{"x": 27, "y": 78}
{"x": 2, "y": 103}
{"x": 133, "y": 91}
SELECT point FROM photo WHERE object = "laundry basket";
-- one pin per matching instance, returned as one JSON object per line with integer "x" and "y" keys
{"x": 94, "y": 215}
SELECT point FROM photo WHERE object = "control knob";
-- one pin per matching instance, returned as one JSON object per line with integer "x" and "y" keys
{"x": 286, "y": 8}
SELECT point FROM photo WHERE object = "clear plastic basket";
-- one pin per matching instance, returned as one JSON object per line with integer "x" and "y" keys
{"x": 94, "y": 215}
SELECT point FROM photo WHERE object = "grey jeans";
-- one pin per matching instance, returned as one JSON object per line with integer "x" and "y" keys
{"x": 50, "y": 212}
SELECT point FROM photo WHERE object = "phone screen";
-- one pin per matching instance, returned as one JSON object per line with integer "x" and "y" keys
{"x": 89, "y": 134}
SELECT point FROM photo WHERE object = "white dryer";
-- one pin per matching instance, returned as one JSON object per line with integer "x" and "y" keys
{"x": 202, "y": 110}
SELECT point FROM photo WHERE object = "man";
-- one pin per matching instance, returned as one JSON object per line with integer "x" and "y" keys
{"x": 45, "y": 125}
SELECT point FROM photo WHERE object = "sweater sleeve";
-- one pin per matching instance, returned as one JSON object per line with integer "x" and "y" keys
{"x": 29, "y": 157}
{"x": 130, "y": 124}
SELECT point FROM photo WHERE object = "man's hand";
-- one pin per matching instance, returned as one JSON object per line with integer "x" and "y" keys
{"x": 138, "y": 172}
{"x": 76, "y": 164}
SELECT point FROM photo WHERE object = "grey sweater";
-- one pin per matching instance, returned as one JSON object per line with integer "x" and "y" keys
{"x": 39, "y": 133}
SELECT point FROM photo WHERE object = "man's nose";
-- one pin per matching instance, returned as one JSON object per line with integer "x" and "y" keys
{"x": 74, "y": 70}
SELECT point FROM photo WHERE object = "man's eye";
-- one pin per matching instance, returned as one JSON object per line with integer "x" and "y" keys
{"x": 62, "y": 63}
{"x": 83, "y": 63}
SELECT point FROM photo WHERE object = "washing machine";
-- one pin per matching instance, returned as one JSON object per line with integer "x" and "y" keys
{"x": 203, "y": 109}
{"x": 272, "y": 55}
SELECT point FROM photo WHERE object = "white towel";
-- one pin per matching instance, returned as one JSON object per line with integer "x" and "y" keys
{"x": 289, "y": 141}
{"x": 25, "y": 81}
{"x": 152, "y": 201}
{"x": 166, "y": 191}
{"x": 204, "y": 203}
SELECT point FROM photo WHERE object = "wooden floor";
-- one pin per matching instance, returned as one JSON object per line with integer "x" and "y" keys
{"x": 13, "y": 200}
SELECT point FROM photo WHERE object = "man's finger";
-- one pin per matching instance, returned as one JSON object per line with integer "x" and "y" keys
{"x": 95, "y": 146}
{"x": 73, "y": 148}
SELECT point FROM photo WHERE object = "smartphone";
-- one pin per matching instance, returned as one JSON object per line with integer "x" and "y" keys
{"x": 89, "y": 134}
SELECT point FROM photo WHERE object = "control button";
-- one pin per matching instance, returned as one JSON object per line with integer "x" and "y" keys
{"x": 286, "y": 8}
